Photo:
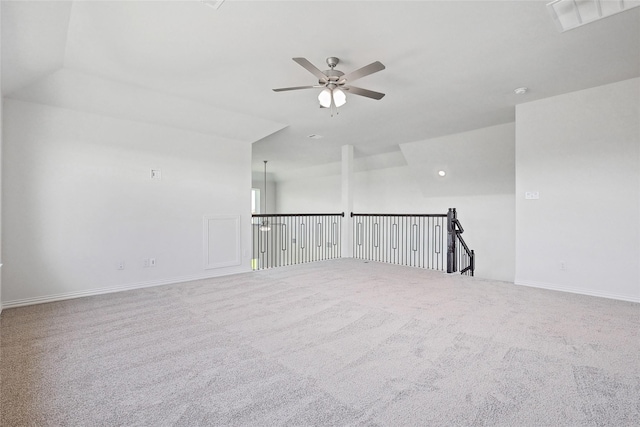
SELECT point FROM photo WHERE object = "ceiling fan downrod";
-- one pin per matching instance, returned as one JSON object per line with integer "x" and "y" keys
{"x": 332, "y": 61}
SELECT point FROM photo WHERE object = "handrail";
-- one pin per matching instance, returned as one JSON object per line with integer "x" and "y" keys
{"x": 403, "y": 215}
{"x": 464, "y": 245}
{"x": 299, "y": 214}
{"x": 458, "y": 225}
{"x": 455, "y": 231}
{"x": 470, "y": 253}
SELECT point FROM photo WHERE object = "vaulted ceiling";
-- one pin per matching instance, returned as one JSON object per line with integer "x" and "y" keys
{"x": 451, "y": 66}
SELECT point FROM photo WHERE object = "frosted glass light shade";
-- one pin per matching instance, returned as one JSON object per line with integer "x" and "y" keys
{"x": 339, "y": 97}
{"x": 325, "y": 98}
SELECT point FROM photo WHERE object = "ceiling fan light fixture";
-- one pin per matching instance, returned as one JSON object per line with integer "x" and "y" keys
{"x": 325, "y": 98}
{"x": 339, "y": 97}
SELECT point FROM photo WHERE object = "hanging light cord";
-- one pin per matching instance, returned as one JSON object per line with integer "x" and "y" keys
{"x": 265, "y": 186}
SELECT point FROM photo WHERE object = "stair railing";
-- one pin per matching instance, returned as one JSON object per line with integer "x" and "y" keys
{"x": 458, "y": 253}
{"x": 413, "y": 240}
{"x": 287, "y": 239}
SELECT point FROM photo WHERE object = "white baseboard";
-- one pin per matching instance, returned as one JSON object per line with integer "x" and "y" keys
{"x": 630, "y": 298}
{"x": 128, "y": 287}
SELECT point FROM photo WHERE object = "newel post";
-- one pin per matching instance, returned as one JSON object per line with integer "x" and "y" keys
{"x": 451, "y": 241}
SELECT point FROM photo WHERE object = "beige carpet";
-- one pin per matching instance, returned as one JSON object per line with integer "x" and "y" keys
{"x": 341, "y": 342}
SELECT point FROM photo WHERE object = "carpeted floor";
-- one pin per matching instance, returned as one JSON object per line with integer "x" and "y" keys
{"x": 343, "y": 342}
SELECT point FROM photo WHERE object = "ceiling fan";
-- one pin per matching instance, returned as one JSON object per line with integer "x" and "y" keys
{"x": 335, "y": 82}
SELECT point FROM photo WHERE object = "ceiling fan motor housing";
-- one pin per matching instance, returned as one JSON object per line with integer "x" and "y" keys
{"x": 333, "y": 75}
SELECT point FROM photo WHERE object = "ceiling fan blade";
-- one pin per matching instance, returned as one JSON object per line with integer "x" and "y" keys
{"x": 282, "y": 89}
{"x": 363, "y": 92}
{"x": 312, "y": 69}
{"x": 374, "y": 67}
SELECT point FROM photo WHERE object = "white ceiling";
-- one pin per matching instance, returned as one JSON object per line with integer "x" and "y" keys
{"x": 451, "y": 66}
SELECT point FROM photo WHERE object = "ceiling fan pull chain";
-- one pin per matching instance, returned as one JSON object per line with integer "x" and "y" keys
{"x": 334, "y": 106}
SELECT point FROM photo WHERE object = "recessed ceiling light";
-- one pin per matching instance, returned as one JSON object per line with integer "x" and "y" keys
{"x": 314, "y": 136}
{"x": 520, "y": 90}
{"x": 442, "y": 173}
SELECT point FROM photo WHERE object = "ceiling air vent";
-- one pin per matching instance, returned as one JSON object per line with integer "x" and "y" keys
{"x": 570, "y": 14}
{"x": 215, "y": 4}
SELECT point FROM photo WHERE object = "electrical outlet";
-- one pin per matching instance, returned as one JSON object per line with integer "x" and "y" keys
{"x": 563, "y": 266}
{"x": 120, "y": 265}
{"x": 532, "y": 195}
{"x": 145, "y": 262}
{"x": 152, "y": 262}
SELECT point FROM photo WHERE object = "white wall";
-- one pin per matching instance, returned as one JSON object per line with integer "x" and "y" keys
{"x": 581, "y": 152}
{"x": 78, "y": 198}
{"x": 257, "y": 181}
{"x": 310, "y": 194}
{"x": 487, "y": 217}
{"x": 1, "y": 132}
{"x": 481, "y": 161}
{"x": 488, "y": 220}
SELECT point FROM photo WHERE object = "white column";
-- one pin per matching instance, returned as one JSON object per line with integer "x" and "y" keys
{"x": 347, "y": 201}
